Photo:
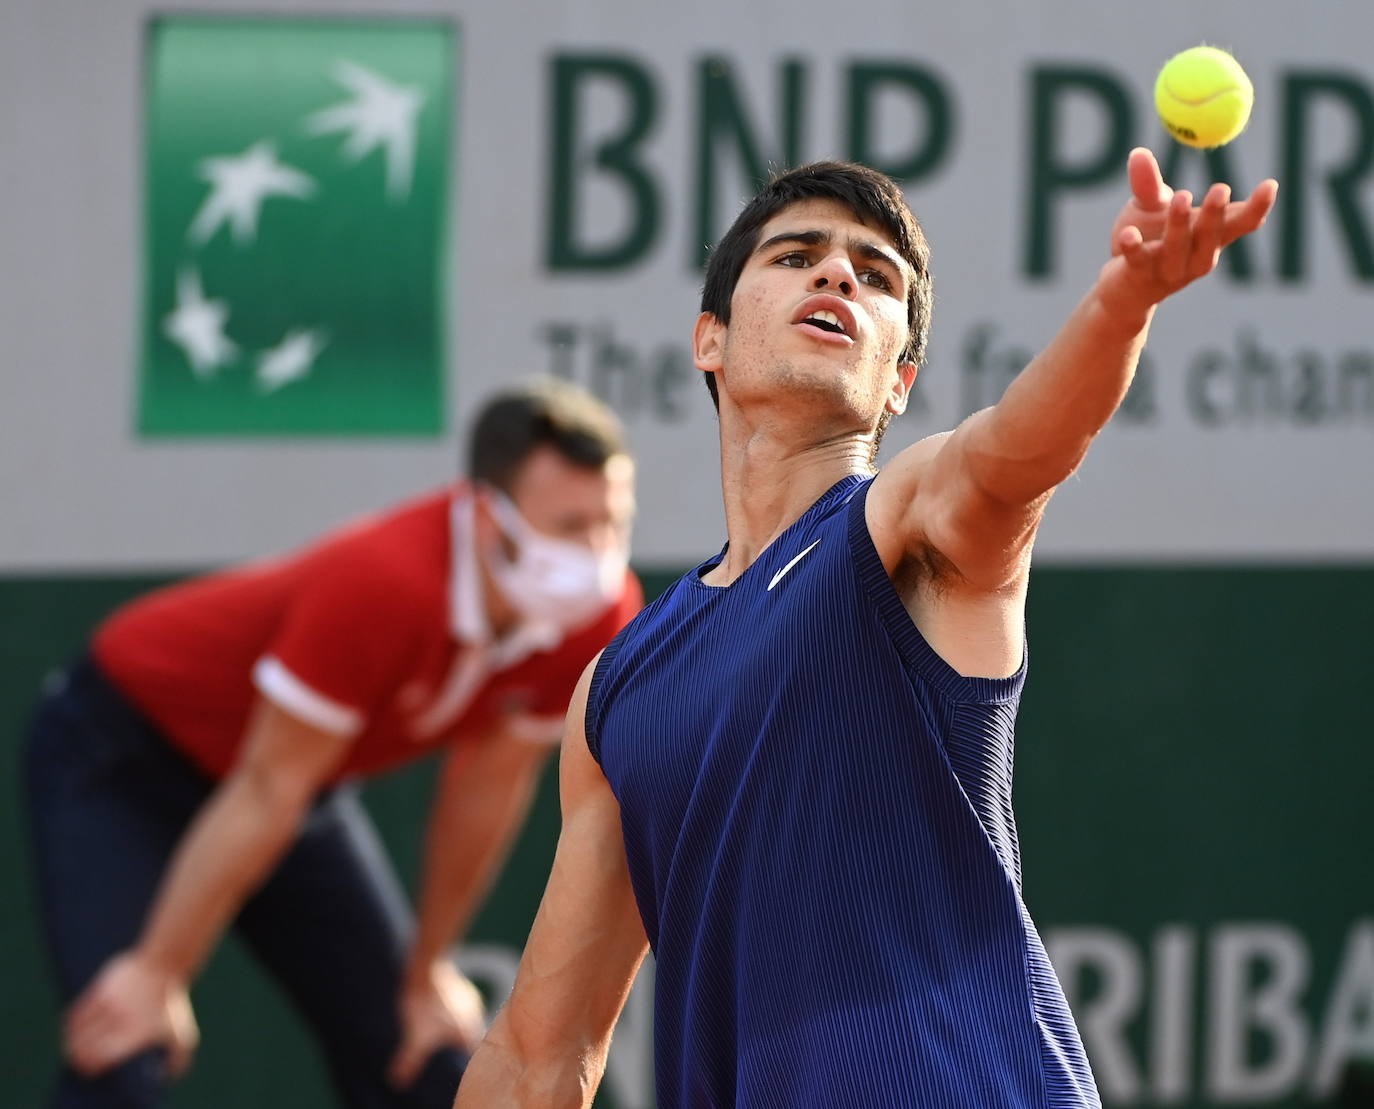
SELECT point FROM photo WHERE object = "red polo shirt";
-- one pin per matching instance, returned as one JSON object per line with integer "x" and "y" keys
{"x": 354, "y": 634}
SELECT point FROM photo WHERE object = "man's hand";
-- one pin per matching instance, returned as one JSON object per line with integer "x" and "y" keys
{"x": 441, "y": 1009}
{"x": 138, "y": 1000}
{"x": 129, "y": 1007}
{"x": 1161, "y": 242}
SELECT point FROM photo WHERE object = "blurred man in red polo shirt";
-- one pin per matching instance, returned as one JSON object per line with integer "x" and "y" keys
{"x": 189, "y": 773}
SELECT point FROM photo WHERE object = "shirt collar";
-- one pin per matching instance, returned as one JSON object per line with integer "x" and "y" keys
{"x": 468, "y": 611}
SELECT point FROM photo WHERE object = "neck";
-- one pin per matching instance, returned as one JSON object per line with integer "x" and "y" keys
{"x": 768, "y": 480}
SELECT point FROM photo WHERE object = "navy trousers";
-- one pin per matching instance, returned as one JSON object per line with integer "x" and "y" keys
{"x": 108, "y": 801}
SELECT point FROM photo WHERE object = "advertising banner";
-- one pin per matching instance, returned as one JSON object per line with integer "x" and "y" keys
{"x": 349, "y": 238}
{"x": 296, "y": 183}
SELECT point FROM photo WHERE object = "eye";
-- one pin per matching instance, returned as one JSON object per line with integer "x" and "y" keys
{"x": 794, "y": 258}
{"x": 877, "y": 279}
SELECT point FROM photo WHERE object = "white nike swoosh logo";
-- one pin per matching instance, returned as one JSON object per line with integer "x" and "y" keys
{"x": 778, "y": 576}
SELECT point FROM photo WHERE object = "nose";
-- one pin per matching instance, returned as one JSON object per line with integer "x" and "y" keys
{"x": 835, "y": 274}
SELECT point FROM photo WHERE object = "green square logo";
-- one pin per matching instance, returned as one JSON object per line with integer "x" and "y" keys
{"x": 296, "y": 182}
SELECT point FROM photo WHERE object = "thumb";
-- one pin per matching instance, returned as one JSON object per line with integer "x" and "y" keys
{"x": 179, "y": 1055}
{"x": 184, "y": 1038}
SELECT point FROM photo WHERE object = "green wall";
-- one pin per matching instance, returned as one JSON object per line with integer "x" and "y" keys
{"x": 1194, "y": 760}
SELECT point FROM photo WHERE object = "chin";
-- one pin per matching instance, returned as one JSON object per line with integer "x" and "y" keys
{"x": 827, "y": 394}
{"x": 821, "y": 377}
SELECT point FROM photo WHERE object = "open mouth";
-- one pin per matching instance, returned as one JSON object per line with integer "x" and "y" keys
{"x": 826, "y": 321}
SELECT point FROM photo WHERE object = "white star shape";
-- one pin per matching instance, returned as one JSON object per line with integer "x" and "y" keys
{"x": 196, "y": 325}
{"x": 380, "y": 114}
{"x": 239, "y": 185}
{"x": 289, "y": 360}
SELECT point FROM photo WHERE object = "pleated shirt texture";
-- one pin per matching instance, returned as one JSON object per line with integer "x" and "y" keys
{"x": 817, "y": 818}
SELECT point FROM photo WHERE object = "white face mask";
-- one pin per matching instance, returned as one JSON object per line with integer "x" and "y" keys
{"x": 553, "y": 581}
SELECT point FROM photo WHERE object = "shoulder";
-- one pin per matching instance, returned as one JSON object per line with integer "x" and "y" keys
{"x": 395, "y": 563}
{"x": 620, "y": 637}
{"x": 905, "y": 470}
{"x": 894, "y": 490}
{"x": 416, "y": 527}
{"x": 361, "y": 575}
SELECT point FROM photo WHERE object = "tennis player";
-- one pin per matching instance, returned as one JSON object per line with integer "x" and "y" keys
{"x": 791, "y": 775}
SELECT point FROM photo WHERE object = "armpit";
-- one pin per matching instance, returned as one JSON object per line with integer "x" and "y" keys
{"x": 925, "y": 568}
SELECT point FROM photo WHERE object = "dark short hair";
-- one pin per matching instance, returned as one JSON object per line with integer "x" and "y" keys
{"x": 546, "y": 412}
{"x": 876, "y": 201}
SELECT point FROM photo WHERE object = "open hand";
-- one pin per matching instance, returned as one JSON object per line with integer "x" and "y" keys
{"x": 1162, "y": 242}
{"x": 444, "y": 1009}
{"x": 129, "y": 1007}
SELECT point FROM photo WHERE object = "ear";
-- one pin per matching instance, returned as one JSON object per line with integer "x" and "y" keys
{"x": 708, "y": 343}
{"x": 901, "y": 388}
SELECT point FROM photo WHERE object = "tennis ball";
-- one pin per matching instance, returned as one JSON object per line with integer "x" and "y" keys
{"x": 1203, "y": 97}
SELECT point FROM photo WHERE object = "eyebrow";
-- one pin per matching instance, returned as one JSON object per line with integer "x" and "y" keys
{"x": 864, "y": 248}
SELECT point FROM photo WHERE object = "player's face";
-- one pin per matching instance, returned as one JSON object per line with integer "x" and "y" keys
{"x": 592, "y": 507}
{"x": 820, "y": 308}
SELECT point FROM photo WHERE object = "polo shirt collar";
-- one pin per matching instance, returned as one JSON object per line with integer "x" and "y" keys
{"x": 468, "y": 612}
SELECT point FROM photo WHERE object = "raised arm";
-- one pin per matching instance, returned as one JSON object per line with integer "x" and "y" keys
{"x": 976, "y": 495}
{"x": 547, "y": 1047}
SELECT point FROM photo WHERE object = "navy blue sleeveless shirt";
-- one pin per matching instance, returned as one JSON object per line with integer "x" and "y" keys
{"x": 817, "y": 818}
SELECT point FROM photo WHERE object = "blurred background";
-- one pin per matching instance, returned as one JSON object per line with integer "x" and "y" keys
{"x": 259, "y": 263}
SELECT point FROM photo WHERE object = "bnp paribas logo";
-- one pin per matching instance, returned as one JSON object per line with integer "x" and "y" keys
{"x": 296, "y": 184}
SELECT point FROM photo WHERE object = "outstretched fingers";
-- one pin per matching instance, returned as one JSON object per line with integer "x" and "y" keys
{"x": 1207, "y": 232}
{"x": 1165, "y": 242}
{"x": 1147, "y": 183}
{"x": 1136, "y": 252}
{"x": 1191, "y": 239}
{"x": 1175, "y": 248}
{"x": 1245, "y": 216}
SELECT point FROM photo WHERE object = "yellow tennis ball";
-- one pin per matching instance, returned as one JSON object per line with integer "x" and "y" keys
{"x": 1204, "y": 97}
